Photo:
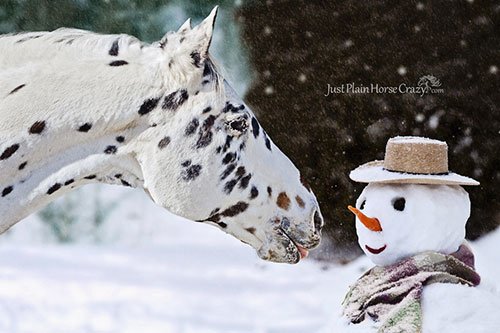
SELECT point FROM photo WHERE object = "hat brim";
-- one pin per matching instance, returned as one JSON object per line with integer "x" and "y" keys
{"x": 374, "y": 172}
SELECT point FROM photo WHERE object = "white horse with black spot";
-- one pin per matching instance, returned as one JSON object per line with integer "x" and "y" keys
{"x": 78, "y": 107}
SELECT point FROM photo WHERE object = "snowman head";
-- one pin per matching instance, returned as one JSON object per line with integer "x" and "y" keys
{"x": 413, "y": 202}
{"x": 395, "y": 221}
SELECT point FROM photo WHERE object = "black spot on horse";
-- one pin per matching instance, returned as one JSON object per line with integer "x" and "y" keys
{"x": 164, "y": 142}
{"x": 209, "y": 122}
{"x": 269, "y": 191}
{"x": 268, "y": 143}
{"x": 118, "y": 175}
{"x": 54, "y": 188}
{"x": 174, "y": 100}
{"x": 245, "y": 181}
{"x": 120, "y": 139}
{"x": 113, "y": 51}
{"x": 191, "y": 127}
{"x": 148, "y": 106}
{"x": 196, "y": 59}
{"x": 205, "y": 134}
{"x": 222, "y": 225}
{"x": 22, "y": 165}
{"x": 110, "y": 150}
{"x": 186, "y": 163}
{"x": 68, "y": 182}
{"x": 236, "y": 209}
{"x": 227, "y": 144}
{"x": 85, "y": 127}
{"x": 229, "y": 186}
{"x": 118, "y": 63}
{"x": 239, "y": 125}
{"x": 213, "y": 217}
{"x": 241, "y": 171}
{"x": 207, "y": 109}
{"x": 228, "y": 158}
{"x": 218, "y": 150}
{"x": 204, "y": 140}
{"x": 254, "y": 192}
{"x": 191, "y": 172}
{"x": 17, "y": 88}
{"x": 215, "y": 211}
{"x": 164, "y": 42}
{"x": 230, "y": 107}
{"x": 125, "y": 183}
{"x": 255, "y": 127}
{"x": 251, "y": 230}
{"x": 90, "y": 177}
{"x": 230, "y": 168}
{"x": 28, "y": 38}
{"x": 208, "y": 70}
{"x": 37, "y": 127}
{"x": 6, "y": 191}
{"x": 9, "y": 151}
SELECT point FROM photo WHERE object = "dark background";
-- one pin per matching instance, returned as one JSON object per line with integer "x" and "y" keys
{"x": 296, "y": 48}
{"x": 367, "y": 42}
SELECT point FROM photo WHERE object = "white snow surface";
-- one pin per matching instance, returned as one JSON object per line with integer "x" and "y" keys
{"x": 172, "y": 275}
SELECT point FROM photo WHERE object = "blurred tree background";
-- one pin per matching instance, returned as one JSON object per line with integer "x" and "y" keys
{"x": 287, "y": 52}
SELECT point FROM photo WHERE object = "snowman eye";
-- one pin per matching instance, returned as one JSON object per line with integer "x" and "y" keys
{"x": 399, "y": 204}
{"x": 362, "y": 204}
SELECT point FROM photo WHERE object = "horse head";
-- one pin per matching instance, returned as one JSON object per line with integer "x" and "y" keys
{"x": 208, "y": 159}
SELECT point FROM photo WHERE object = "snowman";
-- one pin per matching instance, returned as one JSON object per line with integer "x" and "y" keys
{"x": 410, "y": 222}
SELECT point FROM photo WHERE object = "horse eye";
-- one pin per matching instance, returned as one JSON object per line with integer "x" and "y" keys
{"x": 399, "y": 204}
{"x": 239, "y": 125}
{"x": 362, "y": 204}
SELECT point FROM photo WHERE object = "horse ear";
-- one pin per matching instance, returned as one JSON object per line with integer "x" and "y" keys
{"x": 202, "y": 33}
{"x": 185, "y": 27}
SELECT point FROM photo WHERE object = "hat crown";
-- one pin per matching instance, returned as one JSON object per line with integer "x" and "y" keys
{"x": 416, "y": 155}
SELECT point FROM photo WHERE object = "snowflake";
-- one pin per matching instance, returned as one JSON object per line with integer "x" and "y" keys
{"x": 269, "y": 90}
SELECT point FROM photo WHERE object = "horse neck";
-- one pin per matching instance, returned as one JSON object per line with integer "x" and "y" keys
{"x": 35, "y": 178}
{"x": 84, "y": 122}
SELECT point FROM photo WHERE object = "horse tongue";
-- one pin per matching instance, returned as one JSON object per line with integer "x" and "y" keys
{"x": 303, "y": 252}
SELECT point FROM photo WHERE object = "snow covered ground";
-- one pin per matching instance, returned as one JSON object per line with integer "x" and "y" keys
{"x": 173, "y": 276}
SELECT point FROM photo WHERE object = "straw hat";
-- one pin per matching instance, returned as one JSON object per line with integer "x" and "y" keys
{"x": 410, "y": 159}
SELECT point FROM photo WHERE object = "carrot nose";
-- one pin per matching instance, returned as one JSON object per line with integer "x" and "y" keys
{"x": 370, "y": 222}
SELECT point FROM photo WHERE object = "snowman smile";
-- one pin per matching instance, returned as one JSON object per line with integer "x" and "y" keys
{"x": 375, "y": 251}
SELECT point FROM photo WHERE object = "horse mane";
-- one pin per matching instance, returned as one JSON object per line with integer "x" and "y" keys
{"x": 69, "y": 42}
{"x": 66, "y": 44}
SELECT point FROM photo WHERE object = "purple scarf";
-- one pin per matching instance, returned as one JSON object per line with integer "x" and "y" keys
{"x": 391, "y": 294}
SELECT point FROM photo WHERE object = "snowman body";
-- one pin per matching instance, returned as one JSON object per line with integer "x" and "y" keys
{"x": 447, "y": 308}
{"x": 397, "y": 221}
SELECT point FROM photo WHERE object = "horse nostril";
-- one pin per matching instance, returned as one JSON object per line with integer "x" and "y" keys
{"x": 318, "y": 221}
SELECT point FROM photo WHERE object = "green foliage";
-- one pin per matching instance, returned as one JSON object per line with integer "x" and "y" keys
{"x": 146, "y": 19}
{"x": 80, "y": 215}
{"x": 61, "y": 217}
